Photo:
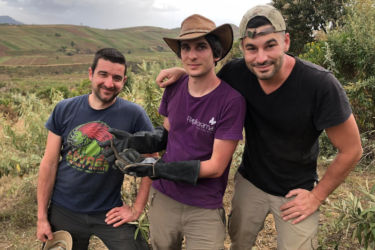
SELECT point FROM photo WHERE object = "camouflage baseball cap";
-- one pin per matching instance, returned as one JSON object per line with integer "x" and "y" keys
{"x": 267, "y": 11}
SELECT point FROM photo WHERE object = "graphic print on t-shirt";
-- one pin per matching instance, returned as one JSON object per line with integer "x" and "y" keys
{"x": 85, "y": 152}
{"x": 205, "y": 127}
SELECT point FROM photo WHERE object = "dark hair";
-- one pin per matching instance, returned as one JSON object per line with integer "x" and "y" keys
{"x": 213, "y": 41}
{"x": 109, "y": 54}
{"x": 257, "y": 22}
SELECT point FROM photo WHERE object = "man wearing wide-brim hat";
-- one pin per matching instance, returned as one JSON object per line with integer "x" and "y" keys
{"x": 204, "y": 119}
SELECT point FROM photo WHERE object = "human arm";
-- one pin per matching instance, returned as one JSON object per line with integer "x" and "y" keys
{"x": 120, "y": 215}
{"x": 46, "y": 181}
{"x": 169, "y": 76}
{"x": 186, "y": 171}
{"x": 345, "y": 137}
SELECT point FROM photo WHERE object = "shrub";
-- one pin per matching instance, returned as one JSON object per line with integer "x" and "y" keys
{"x": 353, "y": 44}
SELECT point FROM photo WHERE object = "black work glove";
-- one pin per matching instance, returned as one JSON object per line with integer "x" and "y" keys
{"x": 148, "y": 142}
{"x": 118, "y": 143}
{"x": 185, "y": 171}
{"x": 143, "y": 141}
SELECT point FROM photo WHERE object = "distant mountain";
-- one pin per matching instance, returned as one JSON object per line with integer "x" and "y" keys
{"x": 8, "y": 20}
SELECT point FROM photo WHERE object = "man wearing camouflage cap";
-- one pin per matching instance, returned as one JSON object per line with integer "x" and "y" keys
{"x": 289, "y": 103}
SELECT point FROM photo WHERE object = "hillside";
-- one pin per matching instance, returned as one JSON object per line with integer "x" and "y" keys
{"x": 46, "y": 39}
{"x": 39, "y": 44}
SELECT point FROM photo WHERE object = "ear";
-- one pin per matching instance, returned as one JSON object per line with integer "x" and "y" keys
{"x": 125, "y": 79}
{"x": 90, "y": 74}
{"x": 286, "y": 42}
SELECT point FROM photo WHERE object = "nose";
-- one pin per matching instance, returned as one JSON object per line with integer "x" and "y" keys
{"x": 108, "y": 83}
{"x": 192, "y": 54}
{"x": 261, "y": 57}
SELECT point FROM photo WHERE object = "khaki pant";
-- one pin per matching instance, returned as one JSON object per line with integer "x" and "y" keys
{"x": 250, "y": 206}
{"x": 171, "y": 221}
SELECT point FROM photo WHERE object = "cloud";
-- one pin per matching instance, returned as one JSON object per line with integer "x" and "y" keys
{"x": 120, "y": 13}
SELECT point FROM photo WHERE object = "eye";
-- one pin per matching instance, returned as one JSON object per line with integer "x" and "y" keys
{"x": 250, "y": 48}
{"x": 117, "y": 78}
{"x": 184, "y": 47}
{"x": 271, "y": 45}
{"x": 202, "y": 46}
{"x": 102, "y": 73}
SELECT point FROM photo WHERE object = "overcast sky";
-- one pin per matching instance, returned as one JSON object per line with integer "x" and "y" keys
{"x": 113, "y": 14}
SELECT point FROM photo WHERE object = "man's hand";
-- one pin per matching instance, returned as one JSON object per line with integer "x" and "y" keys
{"x": 120, "y": 215}
{"x": 118, "y": 143}
{"x": 169, "y": 76}
{"x": 302, "y": 206}
{"x": 44, "y": 232}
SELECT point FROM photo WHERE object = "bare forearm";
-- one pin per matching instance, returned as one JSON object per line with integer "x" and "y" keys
{"x": 46, "y": 180}
{"x": 142, "y": 196}
{"x": 336, "y": 174}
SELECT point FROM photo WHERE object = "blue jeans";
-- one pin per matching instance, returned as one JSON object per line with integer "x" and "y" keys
{"x": 83, "y": 226}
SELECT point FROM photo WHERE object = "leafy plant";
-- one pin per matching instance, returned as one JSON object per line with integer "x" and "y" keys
{"x": 355, "y": 220}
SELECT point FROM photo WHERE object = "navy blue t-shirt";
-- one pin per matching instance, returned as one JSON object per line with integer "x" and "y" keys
{"x": 85, "y": 183}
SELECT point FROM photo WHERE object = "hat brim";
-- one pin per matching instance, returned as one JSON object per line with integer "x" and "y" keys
{"x": 60, "y": 236}
{"x": 223, "y": 32}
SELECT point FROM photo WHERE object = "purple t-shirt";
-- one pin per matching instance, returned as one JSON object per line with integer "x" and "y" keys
{"x": 195, "y": 122}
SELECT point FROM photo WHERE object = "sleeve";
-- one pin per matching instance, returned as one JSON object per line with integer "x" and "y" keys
{"x": 169, "y": 92}
{"x": 332, "y": 106}
{"x": 230, "y": 125}
{"x": 163, "y": 108}
{"x": 143, "y": 122}
{"x": 54, "y": 122}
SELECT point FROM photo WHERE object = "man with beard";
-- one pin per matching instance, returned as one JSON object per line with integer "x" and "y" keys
{"x": 80, "y": 193}
{"x": 289, "y": 103}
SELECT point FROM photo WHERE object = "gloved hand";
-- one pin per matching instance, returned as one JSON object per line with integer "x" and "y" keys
{"x": 130, "y": 157}
{"x": 132, "y": 163}
{"x": 118, "y": 143}
{"x": 143, "y": 141}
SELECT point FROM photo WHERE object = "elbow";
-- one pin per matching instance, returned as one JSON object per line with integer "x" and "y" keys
{"x": 358, "y": 154}
{"x": 217, "y": 173}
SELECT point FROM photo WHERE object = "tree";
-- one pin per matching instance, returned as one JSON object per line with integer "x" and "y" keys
{"x": 304, "y": 17}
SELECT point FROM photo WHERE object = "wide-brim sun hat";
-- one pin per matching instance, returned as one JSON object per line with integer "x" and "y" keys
{"x": 196, "y": 26}
{"x": 62, "y": 240}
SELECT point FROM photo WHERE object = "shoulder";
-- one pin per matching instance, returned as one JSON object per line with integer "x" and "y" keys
{"x": 312, "y": 71}
{"x": 316, "y": 75}
{"x": 70, "y": 102}
{"x": 234, "y": 64}
{"x": 128, "y": 105}
{"x": 311, "y": 67}
{"x": 229, "y": 95}
{"x": 177, "y": 87}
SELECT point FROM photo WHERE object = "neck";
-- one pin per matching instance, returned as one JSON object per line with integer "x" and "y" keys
{"x": 97, "y": 104}
{"x": 272, "y": 84}
{"x": 202, "y": 85}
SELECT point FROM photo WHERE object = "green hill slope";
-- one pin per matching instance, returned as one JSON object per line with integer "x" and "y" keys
{"x": 70, "y": 44}
{"x": 44, "y": 39}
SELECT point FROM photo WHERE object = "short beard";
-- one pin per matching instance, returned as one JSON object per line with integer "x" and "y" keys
{"x": 104, "y": 101}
